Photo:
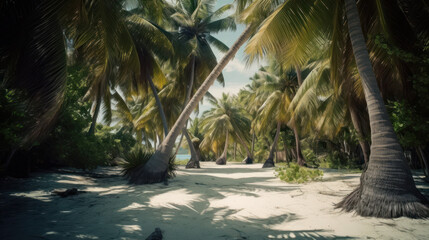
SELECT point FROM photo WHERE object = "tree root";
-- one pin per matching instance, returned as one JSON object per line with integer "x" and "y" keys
{"x": 268, "y": 163}
{"x": 385, "y": 205}
{"x": 248, "y": 160}
{"x": 221, "y": 161}
{"x": 147, "y": 176}
{"x": 193, "y": 164}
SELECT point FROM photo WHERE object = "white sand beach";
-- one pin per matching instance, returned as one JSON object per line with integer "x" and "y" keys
{"x": 235, "y": 201}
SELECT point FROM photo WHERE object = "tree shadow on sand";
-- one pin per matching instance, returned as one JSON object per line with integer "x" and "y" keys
{"x": 111, "y": 209}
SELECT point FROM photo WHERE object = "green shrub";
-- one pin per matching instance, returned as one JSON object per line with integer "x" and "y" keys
{"x": 68, "y": 144}
{"x": 296, "y": 174}
{"x": 138, "y": 157}
{"x": 310, "y": 157}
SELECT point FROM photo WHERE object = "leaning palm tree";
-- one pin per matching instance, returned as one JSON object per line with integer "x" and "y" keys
{"x": 110, "y": 58}
{"x": 387, "y": 187}
{"x": 155, "y": 169}
{"x": 152, "y": 44}
{"x": 139, "y": 73}
{"x": 194, "y": 23}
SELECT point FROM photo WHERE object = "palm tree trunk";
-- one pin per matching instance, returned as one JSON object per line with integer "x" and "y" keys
{"x": 249, "y": 158}
{"x": 270, "y": 161}
{"x": 191, "y": 83}
{"x": 300, "y": 160}
{"x": 156, "y": 168}
{"x": 292, "y": 151}
{"x": 159, "y": 104}
{"x": 91, "y": 130}
{"x": 179, "y": 144}
{"x": 358, "y": 127}
{"x": 235, "y": 151}
{"x": 387, "y": 187}
{"x": 194, "y": 162}
{"x": 222, "y": 159}
{"x": 253, "y": 142}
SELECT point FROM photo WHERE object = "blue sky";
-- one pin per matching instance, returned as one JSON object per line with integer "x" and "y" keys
{"x": 236, "y": 73}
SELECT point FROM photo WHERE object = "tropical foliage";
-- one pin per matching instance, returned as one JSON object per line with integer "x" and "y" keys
{"x": 297, "y": 174}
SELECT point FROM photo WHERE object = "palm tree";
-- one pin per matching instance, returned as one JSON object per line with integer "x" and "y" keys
{"x": 225, "y": 120}
{"x": 252, "y": 94}
{"x": 195, "y": 23}
{"x": 403, "y": 199}
{"x": 147, "y": 40}
{"x": 152, "y": 44}
{"x": 47, "y": 29}
{"x": 280, "y": 86}
{"x": 155, "y": 169}
{"x": 387, "y": 188}
{"x": 198, "y": 137}
{"x": 126, "y": 113}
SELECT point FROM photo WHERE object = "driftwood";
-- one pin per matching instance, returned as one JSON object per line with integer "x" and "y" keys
{"x": 66, "y": 193}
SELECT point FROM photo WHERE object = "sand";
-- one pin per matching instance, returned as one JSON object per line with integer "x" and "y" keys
{"x": 235, "y": 201}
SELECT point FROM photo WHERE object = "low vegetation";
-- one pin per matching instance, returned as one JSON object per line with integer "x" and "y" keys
{"x": 138, "y": 157}
{"x": 297, "y": 174}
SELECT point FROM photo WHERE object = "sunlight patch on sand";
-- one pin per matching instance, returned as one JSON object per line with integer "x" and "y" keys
{"x": 132, "y": 206}
{"x": 38, "y": 195}
{"x": 96, "y": 189}
{"x": 174, "y": 198}
{"x": 86, "y": 236}
{"x": 77, "y": 180}
{"x": 110, "y": 190}
{"x": 130, "y": 228}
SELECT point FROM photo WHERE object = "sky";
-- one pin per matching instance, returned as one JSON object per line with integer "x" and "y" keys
{"x": 236, "y": 73}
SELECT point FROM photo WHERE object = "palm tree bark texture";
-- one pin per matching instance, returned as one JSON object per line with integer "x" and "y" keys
{"x": 300, "y": 160}
{"x": 194, "y": 162}
{"x": 270, "y": 161}
{"x": 222, "y": 159}
{"x": 387, "y": 187}
{"x": 249, "y": 157}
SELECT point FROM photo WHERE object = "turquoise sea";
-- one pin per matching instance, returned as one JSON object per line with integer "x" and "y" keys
{"x": 183, "y": 157}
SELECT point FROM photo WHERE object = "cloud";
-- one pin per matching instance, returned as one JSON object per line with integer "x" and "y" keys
{"x": 235, "y": 65}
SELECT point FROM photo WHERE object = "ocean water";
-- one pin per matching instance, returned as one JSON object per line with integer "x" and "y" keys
{"x": 183, "y": 157}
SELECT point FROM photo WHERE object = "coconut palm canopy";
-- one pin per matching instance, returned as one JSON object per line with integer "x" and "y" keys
{"x": 225, "y": 116}
{"x": 344, "y": 84}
